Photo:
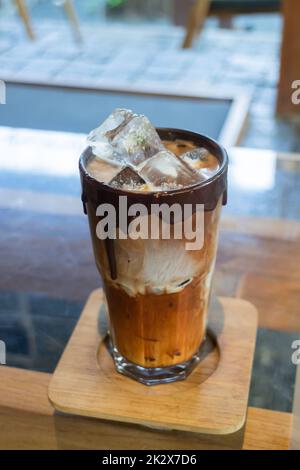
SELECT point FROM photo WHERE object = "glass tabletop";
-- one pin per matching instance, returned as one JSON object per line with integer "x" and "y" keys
{"x": 48, "y": 271}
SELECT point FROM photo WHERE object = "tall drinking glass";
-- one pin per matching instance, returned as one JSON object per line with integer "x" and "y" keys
{"x": 157, "y": 291}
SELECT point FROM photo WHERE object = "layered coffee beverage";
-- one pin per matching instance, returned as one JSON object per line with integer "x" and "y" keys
{"x": 157, "y": 282}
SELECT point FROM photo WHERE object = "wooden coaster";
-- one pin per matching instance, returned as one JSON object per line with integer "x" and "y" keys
{"x": 212, "y": 400}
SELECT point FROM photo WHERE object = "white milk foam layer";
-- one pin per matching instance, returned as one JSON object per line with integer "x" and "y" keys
{"x": 156, "y": 266}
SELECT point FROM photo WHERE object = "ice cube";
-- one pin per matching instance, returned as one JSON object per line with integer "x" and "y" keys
{"x": 137, "y": 141}
{"x": 102, "y": 170}
{"x": 201, "y": 160}
{"x": 167, "y": 171}
{"x": 127, "y": 178}
{"x": 100, "y": 138}
{"x": 118, "y": 118}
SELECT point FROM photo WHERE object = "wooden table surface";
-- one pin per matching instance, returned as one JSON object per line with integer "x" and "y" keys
{"x": 28, "y": 422}
{"x": 47, "y": 272}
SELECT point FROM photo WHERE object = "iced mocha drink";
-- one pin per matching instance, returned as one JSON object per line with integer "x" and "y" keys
{"x": 157, "y": 290}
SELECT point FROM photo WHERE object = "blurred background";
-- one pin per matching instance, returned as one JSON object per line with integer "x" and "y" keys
{"x": 200, "y": 47}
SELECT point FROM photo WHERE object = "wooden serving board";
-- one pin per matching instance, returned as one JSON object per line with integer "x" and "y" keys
{"x": 211, "y": 401}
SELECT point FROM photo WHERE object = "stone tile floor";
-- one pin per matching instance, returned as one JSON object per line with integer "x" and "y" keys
{"x": 118, "y": 55}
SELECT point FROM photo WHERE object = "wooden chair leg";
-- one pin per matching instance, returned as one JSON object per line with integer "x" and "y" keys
{"x": 72, "y": 16}
{"x": 23, "y": 13}
{"x": 196, "y": 19}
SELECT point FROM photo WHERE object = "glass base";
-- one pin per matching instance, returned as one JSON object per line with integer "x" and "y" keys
{"x": 155, "y": 375}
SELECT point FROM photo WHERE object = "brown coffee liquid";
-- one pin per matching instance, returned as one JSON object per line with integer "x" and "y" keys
{"x": 158, "y": 330}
